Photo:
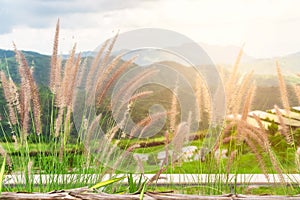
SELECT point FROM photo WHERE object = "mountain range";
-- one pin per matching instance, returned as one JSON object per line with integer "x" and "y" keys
{"x": 40, "y": 63}
{"x": 224, "y": 56}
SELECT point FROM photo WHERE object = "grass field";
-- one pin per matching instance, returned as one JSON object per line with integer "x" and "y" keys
{"x": 49, "y": 138}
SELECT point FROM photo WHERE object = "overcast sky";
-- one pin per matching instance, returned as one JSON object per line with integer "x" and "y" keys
{"x": 267, "y": 27}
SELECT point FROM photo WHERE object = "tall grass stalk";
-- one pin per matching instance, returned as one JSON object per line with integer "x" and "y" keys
{"x": 282, "y": 88}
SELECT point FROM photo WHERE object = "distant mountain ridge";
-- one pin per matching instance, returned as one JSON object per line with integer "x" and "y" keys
{"x": 224, "y": 56}
{"x": 40, "y": 63}
{"x": 6, "y": 53}
{"x": 289, "y": 64}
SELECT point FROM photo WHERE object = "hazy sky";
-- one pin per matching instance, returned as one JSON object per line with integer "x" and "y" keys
{"x": 267, "y": 27}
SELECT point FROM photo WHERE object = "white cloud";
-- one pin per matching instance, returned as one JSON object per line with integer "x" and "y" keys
{"x": 268, "y": 27}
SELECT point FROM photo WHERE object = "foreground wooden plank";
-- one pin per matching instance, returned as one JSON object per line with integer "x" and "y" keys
{"x": 69, "y": 195}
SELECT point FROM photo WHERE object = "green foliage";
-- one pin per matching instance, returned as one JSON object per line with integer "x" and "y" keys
{"x": 2, "y": 173}
{"x": 272, "y": 128}
{"x": 152, "y": 160}
{"x": 136, "y": 186}
{"x": 296, "y": 134}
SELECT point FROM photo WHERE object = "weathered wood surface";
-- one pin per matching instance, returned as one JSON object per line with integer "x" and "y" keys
{"x": 73, "y": 195}
{"x": 85, "y": 193}
{"x": 80, "y": 195}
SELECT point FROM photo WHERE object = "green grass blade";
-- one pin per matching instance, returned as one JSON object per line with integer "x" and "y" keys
{"x": 2, "y": 173}
{"x": 108, "y": 182}
{"x": 140, "y": 180}
{"x": 143, "y": 191}
{"x": 131, "y": 183}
